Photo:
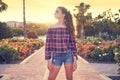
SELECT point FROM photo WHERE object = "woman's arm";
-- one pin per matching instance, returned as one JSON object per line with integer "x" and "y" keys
{"x": 47, "y": 46}
{"x": 73, "y": 46}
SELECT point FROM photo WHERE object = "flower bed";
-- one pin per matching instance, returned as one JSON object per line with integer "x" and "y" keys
{"x": 97, "y": 49}
{"x": 24, "y": 47}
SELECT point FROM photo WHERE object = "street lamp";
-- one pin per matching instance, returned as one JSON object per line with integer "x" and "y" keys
{"x": 24, "y": 19}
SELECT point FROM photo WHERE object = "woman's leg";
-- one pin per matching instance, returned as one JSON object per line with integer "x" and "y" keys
{"x": 53, "y": 73}
{"x": 69, "y": 71}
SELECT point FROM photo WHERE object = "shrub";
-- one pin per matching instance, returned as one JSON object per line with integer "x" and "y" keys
{"x": 118, "y": 39}
{"x": 96, "y": 54}
{"x": 7, "y": 54}
{"x": 108, "y": 55}
{"x": 97, "y": 49}
{"x": 41, "y": 31}
{"x": 117, "y": 58}
{"x": 17, "y": 32}
{"x": 32, "y": 34}
{"x": 117, "y": 55}
{"x": 24, "y": 47}
{"x": 5, "y": 32}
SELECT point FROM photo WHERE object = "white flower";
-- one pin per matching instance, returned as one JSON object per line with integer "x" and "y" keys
{"x": 99, "y": 55}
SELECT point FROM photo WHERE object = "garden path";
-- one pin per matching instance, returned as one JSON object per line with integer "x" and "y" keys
{"x": 35, "y": 68}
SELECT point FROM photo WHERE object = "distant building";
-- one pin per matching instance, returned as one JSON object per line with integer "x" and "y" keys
{"x": 14, "y": 24}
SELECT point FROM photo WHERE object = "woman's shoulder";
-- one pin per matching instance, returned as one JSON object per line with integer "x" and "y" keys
{"x": 55, "y": 26}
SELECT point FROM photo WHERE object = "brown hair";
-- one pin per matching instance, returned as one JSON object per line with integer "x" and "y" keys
{"x": 68, "y": 20}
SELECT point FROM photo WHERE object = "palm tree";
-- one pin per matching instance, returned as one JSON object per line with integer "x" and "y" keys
{"x": 24, "y": 19}
{"x": 82, "y": 18}
{"x": 3, "y": 6}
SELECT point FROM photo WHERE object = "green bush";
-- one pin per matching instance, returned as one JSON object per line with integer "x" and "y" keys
{"x": 17, "y": 32}
{"x": 32, "y": 34}
{"x": 118, "y": 39}
{"x": 41, "y": 31}
{"x": 7, "y": 54}
{"x": 106, "y": 55}
{"x": 117, "y": 56}
{"x": 109, "y": 54}
{"x": 96, "y": 54}
{"x": 5, "y": 32}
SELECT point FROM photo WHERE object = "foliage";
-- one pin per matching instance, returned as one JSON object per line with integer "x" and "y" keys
{"x": 107, "y": 23}
{"x": 17, "y": 31}
{"x": 32, "y": 34}
{"x": 82, "y": 19}
{"x": 102, "y": 55}
{"x": 5, "y": 32}
{"x": 41, "y": 31}
{"x": 7, "y": 54}
{"x": 90, "y": 31}
{"x": 117, "y": 54}
{"x": 97, "y": 49}
{"x": 96, "y": 54}
{"x": 117, "y": 58}
{"x": 40, "y": 28}
{"x": 3, "y": 6}
{"x": 118, "y": 39}
{"x": 24, "y": 47}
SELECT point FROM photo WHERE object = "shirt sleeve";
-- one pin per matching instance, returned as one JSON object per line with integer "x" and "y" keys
{"x": 47, "y": 46}
{"x": 72, "y": 40}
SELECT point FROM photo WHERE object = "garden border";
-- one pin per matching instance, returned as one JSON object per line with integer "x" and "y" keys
{"x": 103, "y": 76}
{"x": 4, "y": 77}
{"x": 25, "y": 60}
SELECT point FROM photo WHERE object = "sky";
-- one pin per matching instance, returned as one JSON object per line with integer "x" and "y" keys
{"x": 43, "y": 10}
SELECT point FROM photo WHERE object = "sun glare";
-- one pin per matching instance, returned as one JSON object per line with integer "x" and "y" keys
{"x": 43, "y": 10}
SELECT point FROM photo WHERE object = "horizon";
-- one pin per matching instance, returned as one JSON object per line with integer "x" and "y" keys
{"x": 40, "y": 11}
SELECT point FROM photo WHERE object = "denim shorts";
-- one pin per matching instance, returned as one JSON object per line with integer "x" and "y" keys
{"x": 66, "y": 58}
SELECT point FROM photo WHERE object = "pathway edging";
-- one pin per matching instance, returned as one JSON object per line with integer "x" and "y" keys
{"x": 26, "y": 60}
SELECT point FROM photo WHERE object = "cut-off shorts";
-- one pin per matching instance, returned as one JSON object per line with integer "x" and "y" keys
{"x": 66, "y": 58}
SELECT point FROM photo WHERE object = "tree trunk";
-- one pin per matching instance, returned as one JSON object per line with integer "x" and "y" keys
{"x": 100, "y": 34}
{"x": 78, "y": 31}
{"x": 82, "y": 32}
{"x": 24, "y": 19}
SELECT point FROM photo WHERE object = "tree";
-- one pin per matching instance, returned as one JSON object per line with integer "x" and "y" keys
{"x": 24, "y": 19}
{"x": 107, "y": 22}
{"x": 82, "y": 19}
{"x": 5, "y": 32}
{"x": 3, "y": 6}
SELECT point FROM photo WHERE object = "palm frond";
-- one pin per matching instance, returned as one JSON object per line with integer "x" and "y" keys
{"x": 3, "y": 6}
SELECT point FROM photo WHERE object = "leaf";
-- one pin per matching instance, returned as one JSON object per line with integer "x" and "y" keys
{"x": 3, "y": 6}
{"x": 119, "y": 10}
{"x": 74, "y": 9}
{"x": 116, "y": 14}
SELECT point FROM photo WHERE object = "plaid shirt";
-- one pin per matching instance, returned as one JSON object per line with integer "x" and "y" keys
{"x": 58, "y": 40}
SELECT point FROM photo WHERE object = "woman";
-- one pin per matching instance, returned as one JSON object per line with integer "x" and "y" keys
{"x": 61, "y": 45}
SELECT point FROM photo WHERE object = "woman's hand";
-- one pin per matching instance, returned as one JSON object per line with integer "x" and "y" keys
{"x": 49, "y": 65}
{"x": 74, "y": 64}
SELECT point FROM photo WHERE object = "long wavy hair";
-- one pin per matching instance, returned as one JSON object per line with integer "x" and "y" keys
{"x": 68, "y": 20}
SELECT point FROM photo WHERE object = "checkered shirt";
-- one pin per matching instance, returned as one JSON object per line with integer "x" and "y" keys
{"x": 60, "y": 41}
